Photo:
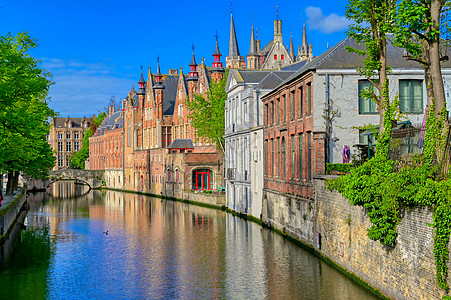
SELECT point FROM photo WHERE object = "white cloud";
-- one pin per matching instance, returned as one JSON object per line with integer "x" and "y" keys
{"x": 316, "y": 20}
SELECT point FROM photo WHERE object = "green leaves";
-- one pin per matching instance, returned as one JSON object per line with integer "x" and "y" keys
{"x": 207, "y": 112}
{"x": 24, "y": 112}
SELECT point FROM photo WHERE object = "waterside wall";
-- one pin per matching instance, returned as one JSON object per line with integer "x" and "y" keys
{"x": 10, "y": 213}
{"x": 338, "y": 231}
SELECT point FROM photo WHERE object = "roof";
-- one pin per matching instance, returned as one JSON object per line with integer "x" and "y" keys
{"x": 181, "y": 144}
{"x": 295, "y": 66}
{"x": 272, "y": 80}
{"x": 74, "y": 122}
{"x": 113, "y": 121}
{"x": 250, "y": 76}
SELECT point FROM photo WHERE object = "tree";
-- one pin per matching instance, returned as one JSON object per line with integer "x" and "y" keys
{"x": 421, "y": 24}
{"x": 207, "y": 112}
{"x": 372, "y": 23}
{"x": 78, "y": 158}
{"x": 23, "y": 111}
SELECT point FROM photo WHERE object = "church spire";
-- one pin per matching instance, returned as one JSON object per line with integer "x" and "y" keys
{"x": 304, "y": 46}
{"x": 293, "y": 56}
{"x": 234, "y": 59}
{"x": 233, "y": 42}
{"x": 252, "y": 47}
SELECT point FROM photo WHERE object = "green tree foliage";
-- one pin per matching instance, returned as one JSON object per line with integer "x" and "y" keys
{"x": 78, "y": 158}
{"x": 207, "y": 112}
{"x": 23, "y": 111}
{"x": 372, "y": 23}
{"x": 422, "y": 27}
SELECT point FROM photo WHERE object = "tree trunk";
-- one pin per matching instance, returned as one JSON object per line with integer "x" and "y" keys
{"x": 382, "y": 105}
{"x": 15, "y": 180}
{"x": 434, "y": 55}
{"x": 9, "y": 184}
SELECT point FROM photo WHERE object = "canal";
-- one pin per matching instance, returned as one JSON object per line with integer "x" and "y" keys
{"x": 113, "y": 245}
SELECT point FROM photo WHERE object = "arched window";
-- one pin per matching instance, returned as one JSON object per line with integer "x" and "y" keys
{"x": 202, "y": 179}
{"x": 282, "y": 57}
{"x": 177, "y": 175}
{"x": 275, "y": 56}
{"x": 169, "y": 175}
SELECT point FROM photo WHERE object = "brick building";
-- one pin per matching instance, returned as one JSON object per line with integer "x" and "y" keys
{"x": 65, "y": 138}
{"x": 105, "y": 148}
{"x": 151, "y": 119}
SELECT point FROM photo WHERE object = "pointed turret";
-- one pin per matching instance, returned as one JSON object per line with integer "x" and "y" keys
{"x": 293, "y": 56}
{"x": 304, "y": 53}
{"x": 217, "y": 68}
{"x": 158, "y": 77}
{"x": 141, "y": 83}
{"x": 234, "y": 60}
{"x": 253, "y": 58}
{"x": 193, "y": 75}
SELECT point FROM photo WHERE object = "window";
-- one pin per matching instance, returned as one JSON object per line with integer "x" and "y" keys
{"x": 293, "y": 106}
{"x": 245, "y": 111}
{"x": 300, "y": 156}
{"x": 366, "y": 104}
{"x": 186, "y": 131}
{"x": 273, "y": 112}
{"x": 278, "y": 157}
{"x": 309, "y": 146}
{"x": 68, "y": 146}
{"x": 267, "y": 114}
{"x": 293, "y": 158}
{"x": 283, "y": 158}
{"x": 76, "y": 135}
{"x": 177, "y": 175}
{"x": 284, "y": 109}
{"x": 411, "y": 96}
{"x": 272, "y": 159}
{"x": 60, "y": 146}
{"x": 309, "y": 90}
{"x": 166, "y": 136}
{"x": 68, "y": 135}
{"x": 67, "y": 161}
{"x": 60, "y": 136}
{"x": 266, "y": 158}
{"x": 282, "y": 57}
{"x": 76, "y": 146}
{"x": 60, "y": 160}
{"x": 202, "y": 179}
{"x": 301, "y": 101}
{"x": 278, "y": 111}
{"x": 275, "y": 56}
{"x": 169, "y": 175}
{"x": 129, "y": 133}
{"x": 364, "y": 136}
{"x": 180, "y": 110}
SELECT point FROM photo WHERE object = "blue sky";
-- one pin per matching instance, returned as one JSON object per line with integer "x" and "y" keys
{"x": 94, "y": 48}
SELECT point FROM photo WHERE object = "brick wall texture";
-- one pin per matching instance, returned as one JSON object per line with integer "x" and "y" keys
{"x": 405, "y": 271}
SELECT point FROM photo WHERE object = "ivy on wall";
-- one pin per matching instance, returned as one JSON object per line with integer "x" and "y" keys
{"x": 385, "y": 193}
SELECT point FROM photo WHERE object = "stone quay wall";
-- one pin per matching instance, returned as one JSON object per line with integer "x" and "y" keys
{"x": 338, "y": 231}
{"x": 8, "y": 219}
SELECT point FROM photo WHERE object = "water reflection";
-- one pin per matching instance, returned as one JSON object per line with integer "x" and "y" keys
{"x": 127, "y": 246}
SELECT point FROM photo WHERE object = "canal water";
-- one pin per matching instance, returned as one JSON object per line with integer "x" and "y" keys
{"x": 113, "y": 245}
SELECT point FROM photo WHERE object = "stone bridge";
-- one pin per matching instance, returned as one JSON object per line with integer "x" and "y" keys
{"x": 93, "y": 178}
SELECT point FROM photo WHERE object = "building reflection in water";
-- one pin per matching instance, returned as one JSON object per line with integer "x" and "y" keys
{"x": 107, "y": 244}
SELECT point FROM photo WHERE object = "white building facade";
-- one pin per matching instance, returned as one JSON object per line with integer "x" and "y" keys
{"x": 244, "y": 137}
